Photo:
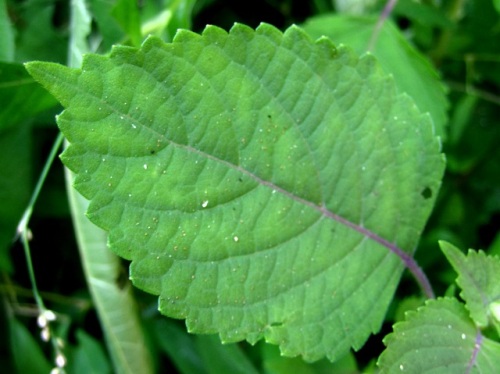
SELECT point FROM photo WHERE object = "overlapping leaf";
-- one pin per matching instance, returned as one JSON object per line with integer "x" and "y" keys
{"x": 412, "y": 71}
{"x": 262, "y": 184}
{"x": 439, "y": 338}
{"x": 478, "y": 279}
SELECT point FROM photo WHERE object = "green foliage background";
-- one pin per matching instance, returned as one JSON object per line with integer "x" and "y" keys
{"x": 458, "y": 39}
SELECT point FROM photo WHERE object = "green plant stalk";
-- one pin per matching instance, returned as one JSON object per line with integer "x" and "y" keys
{"x": 22, "y": 228}
{"x": 24, "y": 234}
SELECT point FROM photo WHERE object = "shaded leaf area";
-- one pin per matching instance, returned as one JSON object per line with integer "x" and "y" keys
{"x": 21, "y": 99}
{"x": 20, "y": 95}
{"x": 201, "y": 354}
{"x": 440, "y": 338}
{"x": 40, "y": 30}
{"x": 259, "y": 182}
{"x": 6, "y": 34}
{"x": 412, "y": 71}
{"x": 15, "y": 184}
{"x": 24, "y": 345}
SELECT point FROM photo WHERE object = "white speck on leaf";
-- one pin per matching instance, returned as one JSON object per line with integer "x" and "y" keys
{"x": 463, "y": 336}
{"x": 236, "y": 239}
{"x": 401, "y": 367}
{"x": 204, "y": 204}
{"x": 145, "y": 166}
{"x": 134, "y": 126}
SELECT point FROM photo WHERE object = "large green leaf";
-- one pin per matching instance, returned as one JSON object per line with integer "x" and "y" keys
{"x": 439, "y": 338}
{"x": 265, "y": 186}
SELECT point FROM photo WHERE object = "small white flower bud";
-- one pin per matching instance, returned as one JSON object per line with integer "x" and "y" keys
{"x": 60, "y": 360}
{"x": 45, "y": 334}
{"x": 42, "y": 321}
{"x": 50, "y": 315}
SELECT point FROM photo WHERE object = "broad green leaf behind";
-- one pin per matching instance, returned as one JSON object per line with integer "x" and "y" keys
{"x": 263, "y": 185}
{"x": 412, "y": 71}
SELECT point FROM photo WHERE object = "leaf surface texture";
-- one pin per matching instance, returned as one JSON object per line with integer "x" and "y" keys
{"x": 263, "y": 185}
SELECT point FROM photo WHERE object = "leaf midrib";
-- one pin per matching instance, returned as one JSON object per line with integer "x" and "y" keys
{"x": 322, "y": 209}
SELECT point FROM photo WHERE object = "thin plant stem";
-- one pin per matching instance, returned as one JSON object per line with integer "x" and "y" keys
{"x": 36, "y": 294}
{"x": 24, "y": 234}
{"x": 22, "y": 227}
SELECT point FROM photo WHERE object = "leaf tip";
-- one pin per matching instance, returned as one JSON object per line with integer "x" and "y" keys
{"x": 183, "y": 35}
{"x": 449, "y": 249}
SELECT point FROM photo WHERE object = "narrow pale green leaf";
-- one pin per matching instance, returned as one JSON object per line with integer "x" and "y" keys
{"x": 412, "y": 72}
{"x": 113, "y": 298}
{"x": 439, "y": 338}
{"x": 6, "y": 35}
{"x": 478, "y": 277}
{"x": 80, "y": 30}
{"x": 263, "y": 185}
